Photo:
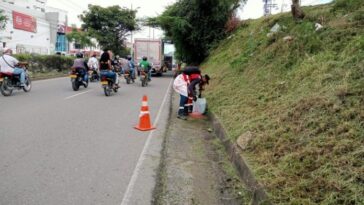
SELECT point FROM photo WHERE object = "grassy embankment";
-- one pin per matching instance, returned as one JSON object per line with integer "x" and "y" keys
{"x": 301, "y": 100}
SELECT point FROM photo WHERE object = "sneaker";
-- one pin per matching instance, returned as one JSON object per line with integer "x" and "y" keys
{"x": 181, "y": 117}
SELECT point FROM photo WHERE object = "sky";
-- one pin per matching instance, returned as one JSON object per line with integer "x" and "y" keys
{"x": 150, "y": 8}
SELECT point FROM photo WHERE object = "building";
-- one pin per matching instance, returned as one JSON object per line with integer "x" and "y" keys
{"x": 32, "y": 27}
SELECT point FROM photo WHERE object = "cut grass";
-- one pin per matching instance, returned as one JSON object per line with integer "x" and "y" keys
{"x": 303, "y": 101}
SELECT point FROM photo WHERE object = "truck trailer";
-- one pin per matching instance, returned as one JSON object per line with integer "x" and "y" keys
{"x": 152, "y": 49}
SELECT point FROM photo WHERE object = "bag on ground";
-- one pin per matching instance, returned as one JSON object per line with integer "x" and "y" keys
{"x": 199, "y": 106}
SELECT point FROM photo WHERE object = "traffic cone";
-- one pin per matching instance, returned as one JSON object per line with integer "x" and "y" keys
{"x": 144, "y": 118}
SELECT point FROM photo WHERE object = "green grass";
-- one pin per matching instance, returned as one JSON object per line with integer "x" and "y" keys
{"x": 302, "y": 100}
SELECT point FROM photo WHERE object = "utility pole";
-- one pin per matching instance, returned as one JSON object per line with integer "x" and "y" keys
{"x": 268, "y": 6}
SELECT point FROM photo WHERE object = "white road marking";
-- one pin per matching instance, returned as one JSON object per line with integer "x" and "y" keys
{"x": 134, "y": 177}
{"x": 67, "y": 98}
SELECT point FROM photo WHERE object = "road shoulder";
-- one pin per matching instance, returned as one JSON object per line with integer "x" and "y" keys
{"x": 195, "y": 168}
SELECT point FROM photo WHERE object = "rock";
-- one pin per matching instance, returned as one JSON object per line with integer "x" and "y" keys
{"x": 276, "y": 28}
{"x": 244, "y": 140}
{"x": 318, "y": 26}
{"x": 288, "y": 39}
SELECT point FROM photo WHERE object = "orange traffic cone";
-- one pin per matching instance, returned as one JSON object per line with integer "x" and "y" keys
{"x": 144, "y": 118}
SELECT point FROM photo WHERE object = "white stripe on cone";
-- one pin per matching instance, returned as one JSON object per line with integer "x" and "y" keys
{"x": 142, "y": 113}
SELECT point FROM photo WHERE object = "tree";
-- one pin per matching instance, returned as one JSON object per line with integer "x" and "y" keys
{"x": 195, "y": 26}
{"x": 3, "y": 20}
{"x": 81, "y": 39}
{"x": 296, "y": 10}
{"x": 110, "y": 26}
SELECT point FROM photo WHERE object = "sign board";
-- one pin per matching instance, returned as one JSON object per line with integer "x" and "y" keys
{"x": 24, "y": 22}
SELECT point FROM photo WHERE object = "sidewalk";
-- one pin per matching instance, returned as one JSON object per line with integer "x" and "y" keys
{"x": 195, "y": 169}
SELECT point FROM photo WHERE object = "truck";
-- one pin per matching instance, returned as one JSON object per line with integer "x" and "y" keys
{"x": 152, "y": 49}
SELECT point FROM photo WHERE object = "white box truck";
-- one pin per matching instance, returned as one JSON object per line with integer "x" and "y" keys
{"x": 152, "y": 49}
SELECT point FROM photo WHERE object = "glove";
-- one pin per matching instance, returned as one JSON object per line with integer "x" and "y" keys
{"x": 194, "y": 98}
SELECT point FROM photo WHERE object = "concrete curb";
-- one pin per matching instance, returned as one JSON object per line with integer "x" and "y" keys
{"x": 259, "y": 194}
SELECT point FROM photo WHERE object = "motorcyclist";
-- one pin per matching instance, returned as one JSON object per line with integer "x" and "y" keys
{"x": 106, "y": 67}
{"x": 131, "y": 66}
{"x": 93, "y": 64}
{"x": 145, "y": 66}
{"x": 81, "y": 66}
{"x": 8, "y": 64}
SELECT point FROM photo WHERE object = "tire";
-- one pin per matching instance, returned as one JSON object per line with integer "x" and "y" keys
{"x": 107, "y": 89}
{"x": 28, "y": 85}
{"x": 5, "y": 89}
{"x": 75, "y": 84}
{"x": 127, "y": 80}
{"x": 143, "y": 83}
{"x": 86, "y": 85}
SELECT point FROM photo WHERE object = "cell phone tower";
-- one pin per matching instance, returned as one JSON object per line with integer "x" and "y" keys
{"x": 269, "y": 5}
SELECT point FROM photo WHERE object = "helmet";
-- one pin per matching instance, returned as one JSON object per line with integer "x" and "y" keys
{"x": 117, "y": 56}
{"x": 79, "y": 55}
{"x": 128, "y": 57}
{"x": 145, "y": 58}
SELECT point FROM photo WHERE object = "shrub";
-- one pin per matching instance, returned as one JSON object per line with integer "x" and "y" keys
{"x": 348, "y": 5}
{"x": 46, "y": 63}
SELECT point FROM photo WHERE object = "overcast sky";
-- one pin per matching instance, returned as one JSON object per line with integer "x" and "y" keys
{"x": 253, "y": 9}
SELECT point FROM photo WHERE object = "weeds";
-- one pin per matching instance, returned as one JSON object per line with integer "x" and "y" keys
{"x": 303, "y": 100}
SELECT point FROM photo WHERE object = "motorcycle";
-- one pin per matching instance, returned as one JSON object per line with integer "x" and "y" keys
{"x": 77, "y": 79}
{"x": 94, "y": 76}
{"x": 128, "y": 77}
{"x": 10, "y": 81}
{"x": 144, "y": 78}
{"x": 108, "y": 85}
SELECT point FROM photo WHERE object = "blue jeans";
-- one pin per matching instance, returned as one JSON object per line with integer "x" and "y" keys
{"x": 182, "y": 105}
{"x": 109, "y": 74}
{"x": 21, "y": 72}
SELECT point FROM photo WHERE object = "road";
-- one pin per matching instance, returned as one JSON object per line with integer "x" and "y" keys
{"x": 58, "y": 146}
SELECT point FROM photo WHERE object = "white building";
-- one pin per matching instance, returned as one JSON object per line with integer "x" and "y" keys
{"x": 31, "y": 28}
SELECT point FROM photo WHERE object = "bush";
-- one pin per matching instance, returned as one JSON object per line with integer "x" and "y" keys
{"x": 46, "y": 63}
{"x": 348, "y": 5}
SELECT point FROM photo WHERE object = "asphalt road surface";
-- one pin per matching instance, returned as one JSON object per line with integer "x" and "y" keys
{"x": 58, "y": 146}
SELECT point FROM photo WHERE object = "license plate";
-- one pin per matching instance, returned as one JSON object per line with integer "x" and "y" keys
{"x": 73, "y": 76}
{"x": 104, "y": 83}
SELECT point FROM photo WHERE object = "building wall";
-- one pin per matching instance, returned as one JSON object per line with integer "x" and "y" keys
{"x": 24, "y": 41}
{"x": 49, "y": 23}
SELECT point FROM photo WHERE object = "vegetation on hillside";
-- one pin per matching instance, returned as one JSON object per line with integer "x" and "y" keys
{"x": 196, "y": 26}
{"x": 301, "y": 99}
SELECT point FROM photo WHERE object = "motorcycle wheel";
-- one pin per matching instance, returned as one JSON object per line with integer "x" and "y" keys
{"x": 75, "y": 85}
{"x": 127, "y": 80}
{"x": 143, "y": 83}
{"x": 107, "y": 89}
{"x": 28, "y": 85}
{"x": 86, "y": 85}
{"x": 4, "y": 88}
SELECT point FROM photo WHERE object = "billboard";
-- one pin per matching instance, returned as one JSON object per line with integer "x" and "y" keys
{"x": 24, "y": 22}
